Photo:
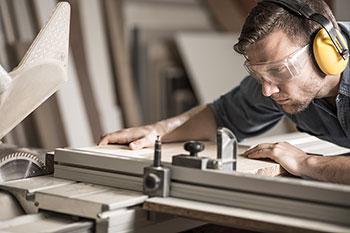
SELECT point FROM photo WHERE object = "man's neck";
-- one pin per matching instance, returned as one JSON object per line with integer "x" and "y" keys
{"x": 330, "y": 88}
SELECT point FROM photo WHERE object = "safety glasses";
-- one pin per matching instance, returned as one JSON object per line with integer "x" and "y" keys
{"x": 282, "y": 71}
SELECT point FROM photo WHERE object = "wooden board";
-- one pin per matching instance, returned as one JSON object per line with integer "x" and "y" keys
{"x": 237, "y": 217}
{"x": 150, "y": 27}
{"x": 99, "y": 64}
{"x": 213, "y": 67}
{"x": 309, "y": 144}
{"x": 229, "y": 17}
{"x": 341, "y": 9}
{"x": 84, "y": 77}
{"x": 121, "y": 63}
{"x": 245, "y": 165}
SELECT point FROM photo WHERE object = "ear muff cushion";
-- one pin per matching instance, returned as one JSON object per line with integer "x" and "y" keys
{"x": 326, "y": 55}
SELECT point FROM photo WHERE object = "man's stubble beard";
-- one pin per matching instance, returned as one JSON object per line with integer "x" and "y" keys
{"x": 296, "y": 107}
{"x": 310, "y": 89}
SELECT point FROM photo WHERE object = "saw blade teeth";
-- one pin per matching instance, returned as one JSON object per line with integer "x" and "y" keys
{"x": 21, "y": 155}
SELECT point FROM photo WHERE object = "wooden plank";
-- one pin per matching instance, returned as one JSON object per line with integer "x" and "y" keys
{"x": 99, "y": 65}
{"x": 154, "y": 24}
{"x": 244, "y": 165}
{"x": 238, "y": 217}
{"x": 341, "y": 10}
{"x": 309, "y": 144}
{"x": 84, "y": 77}
{"x": 227, "y": 14}
{"x": 121, "y": 63}
{"x": 167, "y": 16}
{"x": 198, "y": 51}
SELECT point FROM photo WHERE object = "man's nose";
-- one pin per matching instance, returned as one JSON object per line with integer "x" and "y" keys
{"x": 269, "y": 89}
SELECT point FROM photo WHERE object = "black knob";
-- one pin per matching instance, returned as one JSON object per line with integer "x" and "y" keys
{"x": 194, "y": 147}
{"x": 152, "y": 181}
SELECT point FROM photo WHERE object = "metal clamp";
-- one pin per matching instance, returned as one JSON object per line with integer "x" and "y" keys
{"x": 156, "y": 178}
{"x": 226, "y": 153}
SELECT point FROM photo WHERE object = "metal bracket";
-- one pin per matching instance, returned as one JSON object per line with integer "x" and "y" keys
{"x": 226, "y": 150}
{"x": 226, "y": 153}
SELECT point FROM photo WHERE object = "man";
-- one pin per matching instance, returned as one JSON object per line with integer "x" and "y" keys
{"x": 274, "y": 40}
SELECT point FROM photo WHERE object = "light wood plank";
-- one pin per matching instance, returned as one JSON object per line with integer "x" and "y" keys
{"x": 245, "y": 165}
{"x": 122, "y": 69}
{"x": 84, "y": 77}
{"x": 309, "y": 144}
{"x": 99, "y": 64}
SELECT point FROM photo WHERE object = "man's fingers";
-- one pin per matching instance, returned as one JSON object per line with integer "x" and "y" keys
{"x": 261, "y": 151}
{"x": 259, "y": 154}
{"x": 257, "y": 148}
{"x": 141, "y": 143}
{"x": 103, "y": 141}
{"x": 120, "y": 137}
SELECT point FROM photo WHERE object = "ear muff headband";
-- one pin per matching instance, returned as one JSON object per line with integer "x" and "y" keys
{"x": 329, "y": 46}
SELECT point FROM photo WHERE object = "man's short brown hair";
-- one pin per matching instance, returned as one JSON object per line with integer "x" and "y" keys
{"x": 267, "y": 17}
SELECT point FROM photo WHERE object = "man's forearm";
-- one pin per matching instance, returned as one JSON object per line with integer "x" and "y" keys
{"x": 197, "y": 124}
{"x": 334, "y": 169}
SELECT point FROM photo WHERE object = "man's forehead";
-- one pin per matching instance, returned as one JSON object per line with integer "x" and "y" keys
{"x": 273, "y": 47}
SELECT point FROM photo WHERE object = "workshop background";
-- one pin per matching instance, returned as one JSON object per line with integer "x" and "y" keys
{"x": 131, "y": 62}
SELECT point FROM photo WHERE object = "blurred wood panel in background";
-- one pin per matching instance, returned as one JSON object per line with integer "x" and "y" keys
{"x": 79, "y": 54}
{"x": 124, "y": 84}
{"x": 99, "y": 64}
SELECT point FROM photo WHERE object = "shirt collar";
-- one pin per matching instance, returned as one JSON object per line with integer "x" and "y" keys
{"x": 344, "y": 87}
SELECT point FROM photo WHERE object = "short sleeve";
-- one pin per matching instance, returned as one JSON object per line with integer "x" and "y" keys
{"x": 245, "y": 111}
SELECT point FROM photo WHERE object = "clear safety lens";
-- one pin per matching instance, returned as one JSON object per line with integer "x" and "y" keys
{"x": 282, "y": 71}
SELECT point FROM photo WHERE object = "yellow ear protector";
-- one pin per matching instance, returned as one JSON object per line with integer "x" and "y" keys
{"x": 330, "y": 48}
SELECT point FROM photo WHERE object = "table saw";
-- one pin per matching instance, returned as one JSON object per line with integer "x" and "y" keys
{"x": 168, "y": 189}
{"x": 102, "y": 189}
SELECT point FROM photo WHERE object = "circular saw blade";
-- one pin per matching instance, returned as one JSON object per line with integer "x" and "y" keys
{"x": 18, "y": 165}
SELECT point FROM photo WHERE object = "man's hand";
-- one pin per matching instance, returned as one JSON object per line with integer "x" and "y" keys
{"x": 137, "y": 137}
{"x": 288, "y": 156}
{"x": 187, "y": 126}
